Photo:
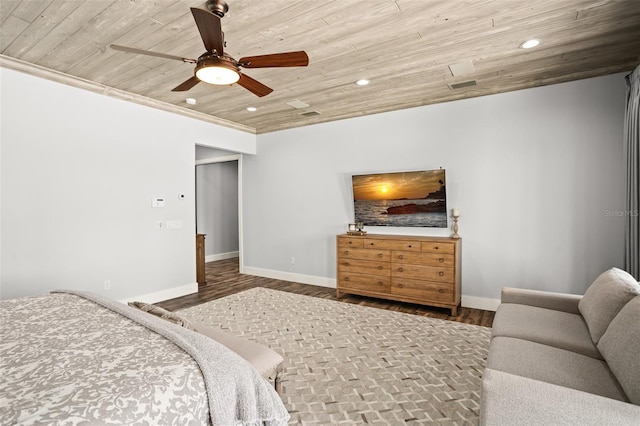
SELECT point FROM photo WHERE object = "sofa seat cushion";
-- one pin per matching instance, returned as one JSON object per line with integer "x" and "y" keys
{"x": 604, "y": 298}
{"x": 553, "y": 365}
{"x": 554, "y": 328}
{"x": 267, "y": 361}
{"x": 509, "y": 400}
{"x": 620, "y": 347}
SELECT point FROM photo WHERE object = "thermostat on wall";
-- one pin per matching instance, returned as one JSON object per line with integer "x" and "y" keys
{"x": 157, "y": 202}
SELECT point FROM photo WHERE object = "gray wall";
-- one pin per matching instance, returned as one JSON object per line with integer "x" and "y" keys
{"x": 217, "y": 208}
{"x": 78, "y": 173}
{"x": 533, "y": 173}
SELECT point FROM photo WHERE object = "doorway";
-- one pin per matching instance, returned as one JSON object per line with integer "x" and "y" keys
{"x": 218, "y": 206}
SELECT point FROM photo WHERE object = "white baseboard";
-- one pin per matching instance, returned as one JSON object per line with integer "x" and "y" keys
{"x": 221, "y": 256}
{"x": 467, "y": 301}
{"x": 290, "y": 276}
{"x": 483, "y": 303}
{"x": 162, "y": 295}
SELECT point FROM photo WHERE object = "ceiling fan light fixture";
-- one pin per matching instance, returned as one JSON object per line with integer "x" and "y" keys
{"x": 221, "y": 76}
{"x": 218, "y": 71}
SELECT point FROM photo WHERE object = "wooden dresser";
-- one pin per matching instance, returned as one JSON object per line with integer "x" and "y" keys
{"x": 415, "y": 269}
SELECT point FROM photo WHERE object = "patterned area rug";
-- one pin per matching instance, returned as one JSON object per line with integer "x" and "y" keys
{"x": 350, "y": 364}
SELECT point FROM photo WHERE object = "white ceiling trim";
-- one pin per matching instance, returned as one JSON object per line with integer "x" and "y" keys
{"x": 60, "y": 77}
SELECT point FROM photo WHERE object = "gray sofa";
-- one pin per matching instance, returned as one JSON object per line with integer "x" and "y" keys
{"x": 561, "y": 359}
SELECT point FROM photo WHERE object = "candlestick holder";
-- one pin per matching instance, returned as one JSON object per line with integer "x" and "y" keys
{"x": 455, "y": 227}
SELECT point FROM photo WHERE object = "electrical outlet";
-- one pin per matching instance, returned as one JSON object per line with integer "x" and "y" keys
{"x": 107, "y": 285}
{"x": 160, "y": 224}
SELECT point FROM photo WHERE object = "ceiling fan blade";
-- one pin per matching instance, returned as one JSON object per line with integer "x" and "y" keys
{"x": 183, "y": 87}
{"x": 149, "y": 53}
{"x": 210, "y": 30}
{"x": 254, "y": 86}
{"x": 288, "y": 59}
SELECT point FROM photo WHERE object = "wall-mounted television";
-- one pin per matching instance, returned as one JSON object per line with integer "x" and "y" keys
{"x": 417, "y": 198}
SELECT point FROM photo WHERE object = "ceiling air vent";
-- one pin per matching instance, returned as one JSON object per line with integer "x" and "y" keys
{"x": 310, "y": 113}
{"x": 463, "y": 84}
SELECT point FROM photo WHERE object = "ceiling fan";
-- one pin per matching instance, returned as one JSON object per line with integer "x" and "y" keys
{"x": 215, "y": 66}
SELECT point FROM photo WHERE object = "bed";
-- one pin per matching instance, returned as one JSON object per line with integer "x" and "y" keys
{"x": 75, "y": 357}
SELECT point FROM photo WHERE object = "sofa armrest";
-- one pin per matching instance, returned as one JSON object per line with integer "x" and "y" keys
{"x": 507, "y": 399}
{"x": 542, "y": 299}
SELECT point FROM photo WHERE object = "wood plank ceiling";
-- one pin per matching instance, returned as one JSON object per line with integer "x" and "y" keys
{"x": 404, "y": 47}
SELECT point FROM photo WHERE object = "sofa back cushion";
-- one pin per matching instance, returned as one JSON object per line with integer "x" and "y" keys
{"x": 604, "y": 298}
{"x": 620, "y": 347}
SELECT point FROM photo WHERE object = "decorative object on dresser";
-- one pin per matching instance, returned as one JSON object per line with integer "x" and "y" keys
{"x": 356, "y": 229}
{"x": 455, "y": 214}
{"x": 415, "y": 269}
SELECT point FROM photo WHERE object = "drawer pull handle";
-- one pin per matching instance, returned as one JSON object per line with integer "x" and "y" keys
{"x": 410, "y": 246}
{"x": 400, "y": 256}
{"x": 380, "y": 267}
{"x": 380, "y": 255}
{"x": 380, "y": 283}
{"x": 400, "y": 269}
{"x": 440, "y": 290}
{"x": 436, "y": 247}
{"x": 400, "y": 285}
{"x": 441, "y": 273}
{"x": 346, "y": 278}
{"x": 350, "y": 242}
{"x": 346, "y": 252}
{"x": 441, "y": 260}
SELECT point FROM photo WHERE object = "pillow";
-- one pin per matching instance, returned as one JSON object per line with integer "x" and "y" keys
{"x": 620, "y": 346}
{"x": 163, "y": 313}
{"x": 604, "y": 299}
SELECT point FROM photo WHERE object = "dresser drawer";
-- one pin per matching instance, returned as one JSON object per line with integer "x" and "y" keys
{"x": 423, "y": 290}
{"x": 364, "y": 267}
{"x": 438, "y": 247}
{"x": 421, "y": 272}
{"x": 430, "y": 259}
{"x": 347, "y": 280}
{"x": 350, "y": 242}
{"x": 364, "y": 254}
{"x": 406, "y": 245}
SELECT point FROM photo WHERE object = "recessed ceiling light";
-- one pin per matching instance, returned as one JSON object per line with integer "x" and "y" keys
{"x": 530, "y": 43}
{"x": 191, "y": 101}
{"x": 252, "y": 109}
{"x": 362, "y": 82}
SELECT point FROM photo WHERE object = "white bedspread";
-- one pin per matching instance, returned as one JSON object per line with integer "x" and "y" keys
{"x": 68, "y": 360}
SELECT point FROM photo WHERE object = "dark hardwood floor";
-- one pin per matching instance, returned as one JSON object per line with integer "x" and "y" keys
{"x": 223, "y": 279}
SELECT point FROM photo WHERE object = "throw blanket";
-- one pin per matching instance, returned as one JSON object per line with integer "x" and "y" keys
{"x": 237, "y": 393}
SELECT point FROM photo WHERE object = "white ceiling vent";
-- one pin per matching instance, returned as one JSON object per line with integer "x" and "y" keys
{"x": 310, "y": 113}
{"x": 297, "y": 104}
{"x": 463, "y": 84}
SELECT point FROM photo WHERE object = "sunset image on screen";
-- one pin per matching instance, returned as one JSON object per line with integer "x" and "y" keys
{"x": 401, "y": 198}
{"x": 397, "y": 186}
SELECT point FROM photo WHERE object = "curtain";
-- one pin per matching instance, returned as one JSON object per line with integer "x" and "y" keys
{"x": 632, "y": 183}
